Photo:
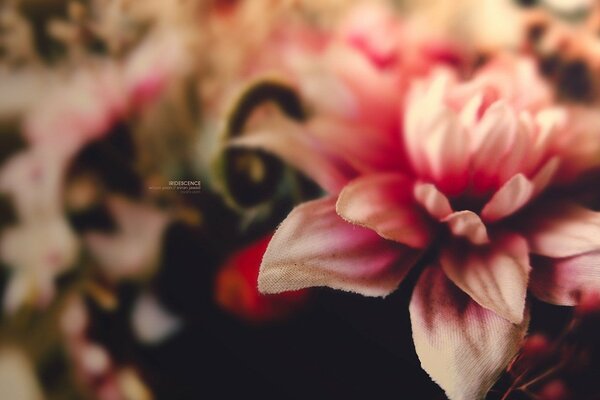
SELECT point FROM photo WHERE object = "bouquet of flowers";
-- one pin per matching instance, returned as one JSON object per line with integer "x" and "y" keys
{"x": 183, "y": 183}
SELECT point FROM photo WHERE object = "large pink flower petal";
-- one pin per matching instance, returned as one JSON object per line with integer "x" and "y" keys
{"x": 364, "y": 148}
{"x": 467, "y": 224}
{"x": 462, "y": 346}
{"x": 495, "y": 277}
{"x": 513, "y": 195}
{"x": 293, "y": 143}
{"x": 563, "y": 230}
{"x": 315, "y": 247}
{"x": 563, "y": 281}
{"x": 384, "y": 203}
{"x": 432, "y": 200}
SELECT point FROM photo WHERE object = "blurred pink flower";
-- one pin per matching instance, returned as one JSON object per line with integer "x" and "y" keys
{"x": 85, "y": 106}
{"x": 42, "y": 245}
{"x": 465, "y": 184}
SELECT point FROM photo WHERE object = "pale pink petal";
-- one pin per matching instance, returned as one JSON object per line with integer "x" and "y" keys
{"x": 563, "y": 230}
{"x": 563, "y": 281}
{"x": 383, "y": 202}
{"x": 315, "y": 247}
{"x": 492, "y": 140}
{"x": 425, "y": 113}
{"x": 544, "y": 176}
{"x": 446, "y": 151}
{"x": 467, "y": 224}
{"x": 434, "y": 201}
{"x": 461, "y": 345}
{"x": 495, "y": 277}
{"x": 493, "y": 135}
{"x": 469, "y": 114}
{"x": 513, "y": 195}
{"x": 293, "y": 144}
{"x": 550, "y": 123}
{"x": 513, "y": 162}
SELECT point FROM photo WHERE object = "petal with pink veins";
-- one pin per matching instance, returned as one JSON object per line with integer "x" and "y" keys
{"x": 563, "y": 230}
{"x": 563, "y": 281}
{"x": 313, "y": 246}
{"x": 467, "y": 224}
{"x": 384, "y": 203}
{"x": 462, "y": 346}
{"x": 513, "y": 195}
{"x": 495, "y": 277}
{"x": 432, "y": 200}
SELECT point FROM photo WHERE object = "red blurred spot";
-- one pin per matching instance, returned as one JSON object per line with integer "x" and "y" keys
{"x": 443, "y": 53}
{"x": 589, "y": 304}
{"x": 555, "y": 390}
{"x": 225, "y": 7}
{"x": 536, "y": 345}
{"x": 236, "y": 288}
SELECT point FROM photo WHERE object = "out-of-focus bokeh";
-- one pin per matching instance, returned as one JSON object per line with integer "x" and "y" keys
{"x": 130, "y": 238}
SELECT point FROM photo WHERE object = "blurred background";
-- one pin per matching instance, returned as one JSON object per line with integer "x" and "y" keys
{"x": 130, "y": 236}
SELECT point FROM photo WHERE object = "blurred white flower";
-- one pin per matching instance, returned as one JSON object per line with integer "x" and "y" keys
{"x": 151, "y": 322}
{"x": 42, "y": 245}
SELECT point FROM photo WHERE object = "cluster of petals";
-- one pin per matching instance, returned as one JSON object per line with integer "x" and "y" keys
{"x": 472, "y": 181}
{"x": 75, "y": 112}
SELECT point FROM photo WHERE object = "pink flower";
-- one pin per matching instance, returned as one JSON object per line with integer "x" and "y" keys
{"x": 84, "y": 107}
{"x": 470, "y": 191}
